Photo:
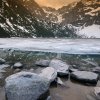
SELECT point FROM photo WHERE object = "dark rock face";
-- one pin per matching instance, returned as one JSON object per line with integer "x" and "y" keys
{"x": 85, "y": 77}
{"x": 73, "y": 70}
{"x": 42, "y": 63}
{"x": 22, "y": 18}
{"x": 80, "y": 13}
{"x": 26, "y": 86}
{"x": 61, "y": 67}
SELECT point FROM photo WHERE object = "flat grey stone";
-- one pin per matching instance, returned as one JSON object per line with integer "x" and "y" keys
{"x": 43, "y": 63}
{"x": 18, "y": 65}
{"x": 85, "y": 77}
{"x": 61, "y": 67}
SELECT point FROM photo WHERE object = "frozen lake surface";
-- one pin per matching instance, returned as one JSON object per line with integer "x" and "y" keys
{"x": 70, "y": 46}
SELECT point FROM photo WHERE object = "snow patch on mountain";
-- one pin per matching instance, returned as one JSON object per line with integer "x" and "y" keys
{"x": 93, "y": 12}
{"x": 60, "y": 18}
{"x": 92, "y": 31}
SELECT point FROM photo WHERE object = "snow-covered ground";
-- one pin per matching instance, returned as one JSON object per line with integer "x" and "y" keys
{"x": 70, "y": 46}
{"x": 90, "y": 31}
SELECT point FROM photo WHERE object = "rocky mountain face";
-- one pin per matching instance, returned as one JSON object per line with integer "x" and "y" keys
{"x": 25, "y": 18}
{"x": 78, "y": 15}
{"x": 22, "y": 18}
{"x": 83, "y": 12}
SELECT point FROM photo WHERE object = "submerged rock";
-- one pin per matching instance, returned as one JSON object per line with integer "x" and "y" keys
{"x": 43, "y": 63}
{"x": 18, "y": 65}
{"x": 85, "y": 77}
{"x": 97, "y": 92}
{"x": 49, "y": 73}
{"x": 61, "y": 67}
{"x": 49, "y": 98}
{"x": 2, "y": 61}
{"x": 60, "y": 82}
{"x": 26, "y": 86}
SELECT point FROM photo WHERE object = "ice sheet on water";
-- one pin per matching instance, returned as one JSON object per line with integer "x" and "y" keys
{"x": 70, "y": 46}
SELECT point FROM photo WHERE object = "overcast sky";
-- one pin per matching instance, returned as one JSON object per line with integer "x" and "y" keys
{"x": 54, "y": 3}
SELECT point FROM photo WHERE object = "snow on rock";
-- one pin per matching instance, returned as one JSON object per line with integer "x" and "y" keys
{"x": 90, "y": 31}
{"x": 60, "y": 18}
{"x": 10, "y": 24}
{"x": 93, "y": 12}
{"x": 22, "y": 28}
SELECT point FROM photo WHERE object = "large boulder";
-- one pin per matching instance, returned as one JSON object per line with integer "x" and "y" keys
{"x": 2, "y": 61}
{"x": 85, "y": 77}
{"x": 26, "y": 86}
{"x": 18, "y": 65}
{"x": 61, "y": 67}
{"x": 49, "y": 73}
{"x": 42, "y": 63}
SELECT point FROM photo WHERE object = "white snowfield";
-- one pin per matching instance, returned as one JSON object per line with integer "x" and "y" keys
{"x": 70, "y": 46}
{"x": 90, "y": 31}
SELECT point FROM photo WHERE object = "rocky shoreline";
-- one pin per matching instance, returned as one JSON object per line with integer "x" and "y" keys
{"x": 35, "y": 85}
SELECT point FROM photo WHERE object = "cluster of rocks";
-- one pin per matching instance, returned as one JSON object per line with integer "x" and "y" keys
{"x": 31, "y": 86}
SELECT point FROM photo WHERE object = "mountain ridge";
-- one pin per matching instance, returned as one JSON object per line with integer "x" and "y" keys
{"x": 25, "y": 18}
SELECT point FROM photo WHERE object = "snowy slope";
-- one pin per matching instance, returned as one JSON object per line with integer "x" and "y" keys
{"x": 92, "y": 31}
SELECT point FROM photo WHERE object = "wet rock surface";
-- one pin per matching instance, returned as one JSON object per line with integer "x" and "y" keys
{"x": 85, "y": 77}
{"x": 25, "y": 86}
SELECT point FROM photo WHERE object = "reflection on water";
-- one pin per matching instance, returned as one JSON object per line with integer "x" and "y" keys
{"x": 71, "y": 90}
